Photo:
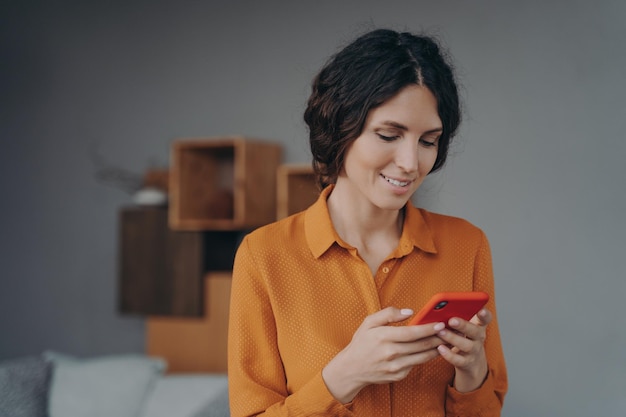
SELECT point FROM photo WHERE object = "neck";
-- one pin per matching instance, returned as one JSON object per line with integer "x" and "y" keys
{"x": 358, "y": 223}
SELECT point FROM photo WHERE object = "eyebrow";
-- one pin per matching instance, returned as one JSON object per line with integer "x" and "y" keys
{"x": 404, "y": 128}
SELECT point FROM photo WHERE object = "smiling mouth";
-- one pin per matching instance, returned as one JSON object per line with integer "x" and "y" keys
{"x": 396, "y": 182}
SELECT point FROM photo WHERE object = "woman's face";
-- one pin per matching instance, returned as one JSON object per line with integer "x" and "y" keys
{"x": 397, "y": 148}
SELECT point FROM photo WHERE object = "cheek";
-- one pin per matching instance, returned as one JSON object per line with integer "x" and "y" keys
{"x": 427, "y": 161}
{"x": 363, "y": 157}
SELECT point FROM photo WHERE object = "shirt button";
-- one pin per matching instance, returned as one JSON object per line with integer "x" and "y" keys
{"x": 386, "y": 270}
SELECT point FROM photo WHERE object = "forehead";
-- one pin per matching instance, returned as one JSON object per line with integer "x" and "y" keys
{"x": 414, "y": 107}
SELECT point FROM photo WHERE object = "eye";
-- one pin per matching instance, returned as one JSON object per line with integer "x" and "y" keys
{"x": 387, "y": 138}
{"x": 429, "y": 143}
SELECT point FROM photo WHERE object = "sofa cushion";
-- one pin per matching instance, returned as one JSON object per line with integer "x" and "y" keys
{"x": 182, "y": 395}
{"x": 103, "y": 386}
{"x": 219, "y": 407}
{"x": 24, "y": 387}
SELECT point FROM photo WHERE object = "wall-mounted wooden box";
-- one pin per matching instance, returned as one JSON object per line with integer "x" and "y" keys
{"x": 296, "y": 189}
{"x": 224, "y": 183}
{"x": 161, "y": 271}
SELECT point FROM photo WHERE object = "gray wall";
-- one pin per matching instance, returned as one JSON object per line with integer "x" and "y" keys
{"x": 539, "y": 164}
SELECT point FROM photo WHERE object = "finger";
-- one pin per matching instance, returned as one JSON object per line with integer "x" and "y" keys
{"x": 418, "y": 346}
{"x": 420, "y": 358}
{"x": 398, "y": 368}
{"x": 415, "y": 333}
{"x": 387, "y": 316}
{"x": 474, "y": 329}
{"x": 460, "y": 352}
{"x": 460, "y": 359}
{"x": 458, "y": 342}
{"x": 482, "y": 318}
{"x": 451, "y": 355}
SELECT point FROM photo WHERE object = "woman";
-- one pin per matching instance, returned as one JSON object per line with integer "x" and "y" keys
{"x": 320, "y": 300}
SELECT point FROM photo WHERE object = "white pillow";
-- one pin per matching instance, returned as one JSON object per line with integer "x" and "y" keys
{"x": 184, "y": 395}
{"x": 106, "y": 386}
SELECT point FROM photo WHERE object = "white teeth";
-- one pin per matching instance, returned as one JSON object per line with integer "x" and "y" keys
{"x": 396, "y": 182}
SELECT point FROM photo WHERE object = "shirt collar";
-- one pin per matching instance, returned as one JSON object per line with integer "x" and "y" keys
{"x": 415, "y": 231}
{"x": 318, "y": 228}
{"x": 320, "y": 232}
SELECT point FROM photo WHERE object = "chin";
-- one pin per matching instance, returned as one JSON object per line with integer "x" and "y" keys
{"x": 395, "y": 203}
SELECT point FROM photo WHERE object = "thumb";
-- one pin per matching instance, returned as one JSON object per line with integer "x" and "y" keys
{"x": 386, "y": 316}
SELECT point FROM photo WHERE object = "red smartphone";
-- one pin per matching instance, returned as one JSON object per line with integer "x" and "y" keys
{"x": 445, "y": 305}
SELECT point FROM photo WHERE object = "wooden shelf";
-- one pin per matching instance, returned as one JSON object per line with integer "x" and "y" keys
{"x": 296, "y": 189}
{"x": 161, "y": 271}
{"x": 195, "y": 344}
{"x": 226, "y": 183}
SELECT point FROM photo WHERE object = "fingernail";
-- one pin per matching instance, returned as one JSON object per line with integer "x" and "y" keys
{"x": 454, "y": 322}
{"x": 439, "y": 326}
{"x": 406, "y": 312}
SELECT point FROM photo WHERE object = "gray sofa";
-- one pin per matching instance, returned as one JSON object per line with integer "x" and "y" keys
{"x": 56, "y": 385}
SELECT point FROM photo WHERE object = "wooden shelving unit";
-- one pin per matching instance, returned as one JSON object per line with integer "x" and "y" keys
{"x": 219, "y": 188}
{"x": 226, "y": 183}
{"x": 198, "y": 344}
{"x": 161, "y": 271}
{"x": 295, "y": 188}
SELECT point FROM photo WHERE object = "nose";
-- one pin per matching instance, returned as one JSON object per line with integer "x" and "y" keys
{"x": 407, "y": 155}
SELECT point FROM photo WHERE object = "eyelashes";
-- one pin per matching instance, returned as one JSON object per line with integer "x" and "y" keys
{"x": 429, "y": 144}
{"x": 422, "y": 141}
{"x": 387, "y": 138}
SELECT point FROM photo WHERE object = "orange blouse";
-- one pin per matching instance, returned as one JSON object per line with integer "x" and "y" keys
{"x": 299, "y": 293}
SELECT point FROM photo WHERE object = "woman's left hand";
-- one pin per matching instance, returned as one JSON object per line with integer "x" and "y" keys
{"x": 465, "y": 350}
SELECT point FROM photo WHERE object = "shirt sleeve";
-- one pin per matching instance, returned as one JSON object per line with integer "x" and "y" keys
{"x": 257, "y": 382}
{"x": 487, "y": 400}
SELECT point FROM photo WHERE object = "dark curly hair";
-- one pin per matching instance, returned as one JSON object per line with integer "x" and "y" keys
{"x": 362, "y": 76}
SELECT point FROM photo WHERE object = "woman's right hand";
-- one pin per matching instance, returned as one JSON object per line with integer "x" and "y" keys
{"x": 379, "y": 353}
